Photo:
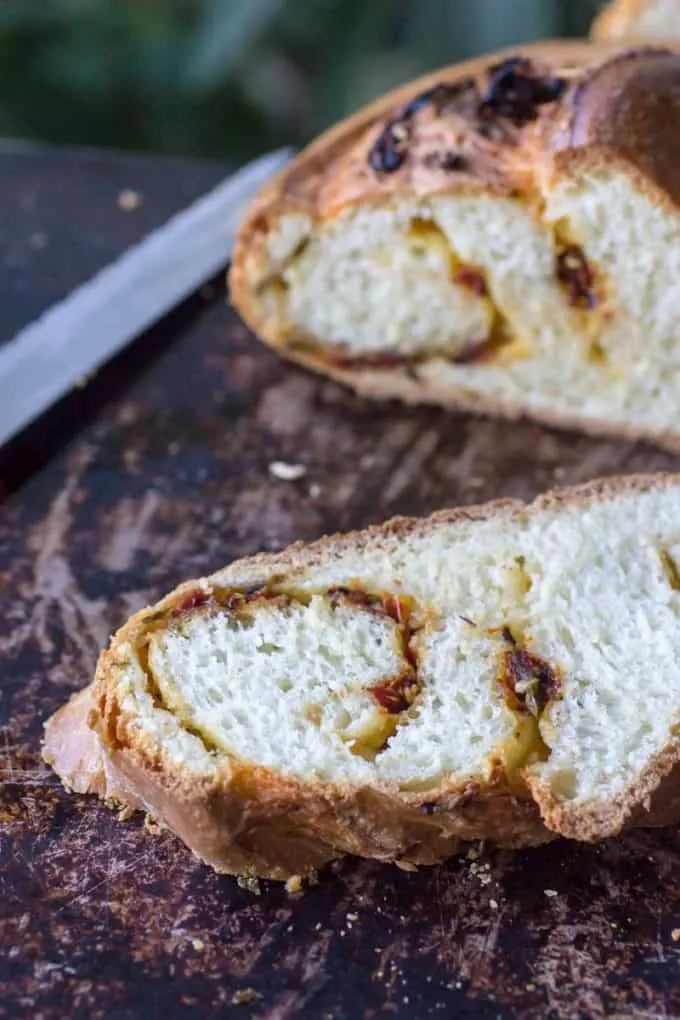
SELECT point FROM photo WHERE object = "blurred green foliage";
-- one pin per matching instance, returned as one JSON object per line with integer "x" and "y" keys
{"x": 232, "y": 77}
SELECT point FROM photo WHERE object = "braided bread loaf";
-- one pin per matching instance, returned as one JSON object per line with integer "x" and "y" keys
{"x": 503, "y": 236}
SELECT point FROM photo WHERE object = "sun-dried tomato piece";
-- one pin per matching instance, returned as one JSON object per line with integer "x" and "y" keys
{"x": 529, "y": 680}
{"x": 391, "y": 147}
{"x": 474, "y": 351}
{"x": 576, "y": 275}
{"x": 517, "y": 90}
{"x": 381, "y": 359}
{"x": 356, "y": 596}
{"x": 472, "y": 279}
{"x": 389, "y": 151}
{"x": 508, "y": 636}
{"x": 193, "y": 600}
{"x": 395, "y": 607}
{"x": 236, "y": 600}
{"x": 397, "y": 694}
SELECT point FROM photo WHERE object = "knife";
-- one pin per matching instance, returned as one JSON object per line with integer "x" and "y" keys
{"x": 77, "y": 335}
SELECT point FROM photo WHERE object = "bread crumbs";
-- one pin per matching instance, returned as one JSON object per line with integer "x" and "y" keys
{"x": 287, "y": 472}
{"x": 675, "y": 934}
{"x": 482, "y": 872}
{"x": 294, "y": 884}
{"x": 244, "y": 996}
{"x": 252, "y": 885}
{"x": 129, "y": 200}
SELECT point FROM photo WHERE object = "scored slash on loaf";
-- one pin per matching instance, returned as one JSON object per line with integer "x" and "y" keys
{"x": 506, "y": 672}
{"x": 502, "y": 236}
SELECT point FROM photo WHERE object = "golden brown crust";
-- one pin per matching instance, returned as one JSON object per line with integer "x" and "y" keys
{"x": 597, "y": 821}
{"x": 299, "y": 185}
{"x": 310, "y": 185}
{"x": 619, "y": 113}
{"x": 302, "y": 556}
{"x": 620, "y": 21}
{"x": 613, "y": 22}
{"x": 244, "y": 819}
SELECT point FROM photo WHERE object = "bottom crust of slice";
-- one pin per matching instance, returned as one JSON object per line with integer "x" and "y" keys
{"x": 397, "y": 383}
{"x": 280, "y": 833}
{"x": 251, "y": 823}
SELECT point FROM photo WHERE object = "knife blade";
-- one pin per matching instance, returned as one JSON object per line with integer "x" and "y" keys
{"x": 77, "y": 335}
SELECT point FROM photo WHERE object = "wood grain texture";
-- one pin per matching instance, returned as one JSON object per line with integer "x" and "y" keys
{"x": 157, "y": 471}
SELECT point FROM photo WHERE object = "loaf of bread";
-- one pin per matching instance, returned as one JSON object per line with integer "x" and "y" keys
{"x": 503, "y": 236}
{"x": 625, "y": 20}
{"x": 507, "y": 673}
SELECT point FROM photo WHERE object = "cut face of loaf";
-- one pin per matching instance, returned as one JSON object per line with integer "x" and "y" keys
{"x": 504, "y": 237}
{"x": 506, "y": 673}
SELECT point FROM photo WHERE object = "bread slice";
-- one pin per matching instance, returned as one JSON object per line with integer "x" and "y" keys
{"x": 626, "y": 20}
{"x": 507, "y": 672}
{"x": 503, "y": 236}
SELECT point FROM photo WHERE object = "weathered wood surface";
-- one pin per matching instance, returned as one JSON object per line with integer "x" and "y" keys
{"x": 156, "y": 471}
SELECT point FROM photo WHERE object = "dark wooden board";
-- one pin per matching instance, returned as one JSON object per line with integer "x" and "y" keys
{"x": 157, "y": 471}
{"x": 64, "y": 222}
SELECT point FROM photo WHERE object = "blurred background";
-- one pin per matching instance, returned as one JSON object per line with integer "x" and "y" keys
{"x": 234, "y": 77}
